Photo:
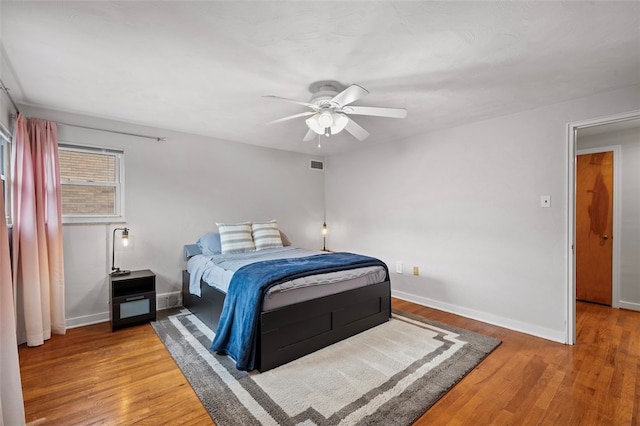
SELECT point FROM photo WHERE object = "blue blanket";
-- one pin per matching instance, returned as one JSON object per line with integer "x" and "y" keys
{"x": 237, "y": 333}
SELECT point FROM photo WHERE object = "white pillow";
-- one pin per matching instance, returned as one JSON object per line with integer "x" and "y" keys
{"x": 266, "y": 235}
{"x": 235, "y": 237}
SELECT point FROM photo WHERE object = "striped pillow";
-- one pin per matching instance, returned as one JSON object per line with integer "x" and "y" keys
{"x": 235, "y": 237}
{"x": 266, "y": 235}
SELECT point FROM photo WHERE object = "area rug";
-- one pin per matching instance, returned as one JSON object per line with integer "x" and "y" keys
{"x": 388, "y": 375}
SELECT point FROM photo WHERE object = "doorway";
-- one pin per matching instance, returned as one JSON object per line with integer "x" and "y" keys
{"x": 626, "y": 120}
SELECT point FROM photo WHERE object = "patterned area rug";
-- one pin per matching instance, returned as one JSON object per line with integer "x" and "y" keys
{"x": 388, "y": 375}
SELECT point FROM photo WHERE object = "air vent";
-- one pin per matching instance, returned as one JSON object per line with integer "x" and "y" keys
{"x": 316, "y": 165}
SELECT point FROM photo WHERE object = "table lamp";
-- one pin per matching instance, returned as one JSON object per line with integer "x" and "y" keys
{"x": 115, "y": 272}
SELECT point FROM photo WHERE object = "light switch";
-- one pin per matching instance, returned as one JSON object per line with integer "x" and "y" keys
{"x": 398, "y": 267}
{"x": 545, "y": 201}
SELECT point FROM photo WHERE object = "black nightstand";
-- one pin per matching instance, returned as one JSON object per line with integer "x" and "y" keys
{"x": 132, "y": 298}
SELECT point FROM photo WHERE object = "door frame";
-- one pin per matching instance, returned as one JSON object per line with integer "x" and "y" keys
{"x": 615, "y": 241}
{"x": 572, "y": 130}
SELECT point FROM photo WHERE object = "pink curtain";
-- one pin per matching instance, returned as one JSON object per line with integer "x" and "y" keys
{"x": 11, "y": 403}
{"x": 38, "y": 267}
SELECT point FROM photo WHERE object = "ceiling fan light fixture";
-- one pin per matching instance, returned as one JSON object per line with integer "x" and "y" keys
{"x": 325, "y": 119}
{"x": 313, "y": 124}
{"x": 340, "y": 121}
{"x": 327, "y": 123}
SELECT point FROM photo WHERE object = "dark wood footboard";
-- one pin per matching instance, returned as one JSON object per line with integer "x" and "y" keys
{"x": 296, "y": 330}
{"x": 292, "y": 331}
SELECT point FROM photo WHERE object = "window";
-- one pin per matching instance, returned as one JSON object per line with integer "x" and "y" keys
{"x": 92, "y": 183}
{"x": 5, "y": 150}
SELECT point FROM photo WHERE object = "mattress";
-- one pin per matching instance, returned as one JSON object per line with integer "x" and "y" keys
{"x": 217, "y": 271}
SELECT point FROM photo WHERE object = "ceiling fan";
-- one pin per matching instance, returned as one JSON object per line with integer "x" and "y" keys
{"x": 330, "y": 109}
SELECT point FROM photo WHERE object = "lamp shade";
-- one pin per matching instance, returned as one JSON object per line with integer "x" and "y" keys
{"x": 313, "y": 124}
{"x": 339, "y": 123}
{"x": 325, "y": 119}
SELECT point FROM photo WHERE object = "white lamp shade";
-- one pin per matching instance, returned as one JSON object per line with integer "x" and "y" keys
{"x": 314, "y": 125}
{"x": 339, "y": 123}
{"x": 325, "y": 119}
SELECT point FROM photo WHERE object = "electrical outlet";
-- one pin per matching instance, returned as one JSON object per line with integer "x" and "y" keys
{"x": 416, "y": 271}
{"x": 398, "y": 267}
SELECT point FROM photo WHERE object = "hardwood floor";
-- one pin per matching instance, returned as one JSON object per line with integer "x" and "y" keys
{"x": 532, "y": 381}
{"x": 94, "y": 376}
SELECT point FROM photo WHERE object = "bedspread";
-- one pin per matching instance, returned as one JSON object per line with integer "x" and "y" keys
{"x": 237, "y": 333}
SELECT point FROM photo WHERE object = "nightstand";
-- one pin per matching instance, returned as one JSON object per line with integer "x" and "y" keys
{"x": 132, "y": 298}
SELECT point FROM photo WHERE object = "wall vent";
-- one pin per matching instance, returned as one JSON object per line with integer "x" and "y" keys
{"x": 316, "y": 165}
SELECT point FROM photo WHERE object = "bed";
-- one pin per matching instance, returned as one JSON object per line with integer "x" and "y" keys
{"x": 294, "y": 319}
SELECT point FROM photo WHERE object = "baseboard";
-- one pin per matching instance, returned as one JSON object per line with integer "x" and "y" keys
{"x": 163, "y": 301}
{"x": 522, "y": 327}
{"x": 172, "y": 299}
{"x": 87, "y": 320}
{"x": 630, "y": 305}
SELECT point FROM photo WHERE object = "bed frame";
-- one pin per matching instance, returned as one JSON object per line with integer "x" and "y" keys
{"x": 290, "y": 332}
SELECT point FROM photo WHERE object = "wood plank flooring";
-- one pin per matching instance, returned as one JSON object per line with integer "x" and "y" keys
{"x": 94, "y": 376}
{"x": 532, "y": 381}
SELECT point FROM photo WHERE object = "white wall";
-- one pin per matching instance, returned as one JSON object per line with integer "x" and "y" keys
{"x": 463, "y": 204}
{"x": 629, "y": 141}
{"x": 175, "y": 191}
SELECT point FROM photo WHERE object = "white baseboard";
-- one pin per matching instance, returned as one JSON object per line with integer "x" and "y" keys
{"x": 630, "y": 305}
{"x": 522, "y": 327}
{"x": 87, "y": 320}
{"x": 163, "y": 301}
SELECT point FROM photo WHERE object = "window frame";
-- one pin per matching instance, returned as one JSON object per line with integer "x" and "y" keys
{"x": 5, "y": 170}
{"x": 119, "y": 186}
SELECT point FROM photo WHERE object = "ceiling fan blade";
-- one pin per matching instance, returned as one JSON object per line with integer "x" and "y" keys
{"x": 302, "y": 114}
{"x": 309, "y": 136}
{"x": 350, "y": 94}
{"x": 357, "y": 131}
{"x": 377, "y": 111}
{"x": 307, "y": 104}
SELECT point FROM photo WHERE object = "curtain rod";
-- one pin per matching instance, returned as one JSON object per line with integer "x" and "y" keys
{"x": 4, "y": 88}
{"x": 156, "y": 138}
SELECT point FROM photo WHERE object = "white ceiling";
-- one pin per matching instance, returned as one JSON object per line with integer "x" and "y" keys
{"x": 203, "y": 67}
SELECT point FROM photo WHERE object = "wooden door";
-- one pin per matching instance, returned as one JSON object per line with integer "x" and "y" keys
{"x": 594, "y": 225}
